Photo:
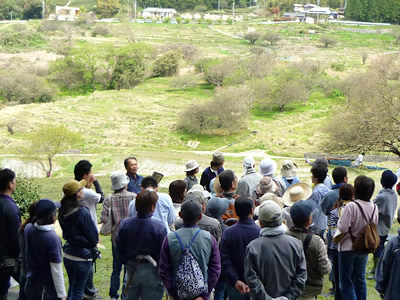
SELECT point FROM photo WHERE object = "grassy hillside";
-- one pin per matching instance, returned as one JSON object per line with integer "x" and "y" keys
{"x": 88, "y": 4}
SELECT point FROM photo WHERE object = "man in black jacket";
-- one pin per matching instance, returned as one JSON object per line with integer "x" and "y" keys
{"x": 10, "y": 220}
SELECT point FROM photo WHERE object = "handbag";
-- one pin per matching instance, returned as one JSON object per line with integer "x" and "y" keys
{"x": 106, "y": 228}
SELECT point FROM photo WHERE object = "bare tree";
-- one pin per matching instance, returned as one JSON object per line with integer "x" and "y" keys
{"x": 252, "y": 36}
{"x": 371, "y": 120}
{"x": 272, "y": 38}
{"x": 327, "y": 41}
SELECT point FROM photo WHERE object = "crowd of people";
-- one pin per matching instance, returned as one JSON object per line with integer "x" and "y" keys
{"x": 262, "y": 236}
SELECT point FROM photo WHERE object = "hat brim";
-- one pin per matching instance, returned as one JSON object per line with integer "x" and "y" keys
{"x": 120, "y": 185}
{"x": 192, "y": 168}
{"x": 307, "y": 193}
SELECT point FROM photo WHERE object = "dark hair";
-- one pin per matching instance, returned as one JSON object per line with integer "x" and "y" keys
{"x": 338, "y": 174}
{"x": 82, "y": 168}
{"x": 226, "y": 178}
{"x": 193, "y": 172}
{"x": 346, "y": 192}
{"x": 319, "y": 171}
{"x": 190, "y": 212}
{"x": 31, "y": 218}
{"x": 214, "y": 165}
{"x": 243, "y": 206}
{"x": 126, "y": 160}
{"x": 48, "y": 219}
{"x": 68, "y": 203}
{"x": 6, "y": 176}
{"x": 145, "y": 201}
{"x": 363, "y": 187}
{"x": 299, "y": 223}
{"x": 177, "y": 190}
{"x": 149, "y": 182}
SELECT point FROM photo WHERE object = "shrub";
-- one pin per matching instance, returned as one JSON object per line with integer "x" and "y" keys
{"x": 364, "y": 56}
{"x": 167, "y": 64}
{"x": 208, "y": 118}
{"x": 201, "y": 65}
{"x": 24, "y": 87}
{"x": 69, "y": 74}
{"x": 283, "y": 88}
{"x": 129, "y": 71}
{"x": 20, "y": 36}
{"x": 340, "y": 67}
{"x": 27, "y": 192}
{"x": 200, "y": 8}
{"x": 215, "y": 74}
{"x": 85, "y": 20}
{"x": 49, "y": 26}
{"x": 187, "y": 50}
{"x": 261, "y": 65}
{"x": 252, "y": 36}
{"x": 184, "y": 82}
{"x": 272, "y": 38}
{"x": 257, "y": 50}
{"x": 327, "y": 41}
{"x": 101, "y": 29}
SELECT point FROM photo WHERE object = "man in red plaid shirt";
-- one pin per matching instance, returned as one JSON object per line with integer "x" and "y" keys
{"x": 116, "y": 207}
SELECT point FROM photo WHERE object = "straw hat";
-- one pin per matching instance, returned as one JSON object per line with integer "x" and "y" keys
{"x": 298, "y": 191}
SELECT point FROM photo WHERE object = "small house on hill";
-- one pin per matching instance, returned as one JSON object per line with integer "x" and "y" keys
{"x": 154, "y": 12}
{"x": 66, "y": 13}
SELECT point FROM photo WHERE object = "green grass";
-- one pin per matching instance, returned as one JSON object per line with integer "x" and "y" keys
{"x": 88, "y": 4}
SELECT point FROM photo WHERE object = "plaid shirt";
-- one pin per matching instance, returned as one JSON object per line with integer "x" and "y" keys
{"x": 119, "y": 208}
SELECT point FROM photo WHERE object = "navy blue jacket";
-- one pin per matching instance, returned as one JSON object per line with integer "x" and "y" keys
{"x": 233, "y": 248}
{"x": 80, "y": 233}
{"x": 10, "y": 221}
{"x": 387, "y": 273}
{"x": 207, "y": 176}
{"x": 140, "y": 235}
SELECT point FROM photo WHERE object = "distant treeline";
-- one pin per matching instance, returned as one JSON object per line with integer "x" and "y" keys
{"x": 387, "y": 11}
{"x": 284, "y": 5}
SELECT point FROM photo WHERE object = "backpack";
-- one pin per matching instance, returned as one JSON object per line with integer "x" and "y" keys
{"x": 189, "y": 278}
{"x": 230, "y": 217}
{"x": 368, "y": 240}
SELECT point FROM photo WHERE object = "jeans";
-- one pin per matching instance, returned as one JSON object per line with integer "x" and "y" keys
{"x": 234, "y": 294}
{"x": 352, "y": 283}
{"x": 334, "y": 257}
{"x": 39, "y": 290}
{"x": 145, "y": 284}
{"x": 115, "y": 275}
{"x": 4, "y": 283}
{"x": 78, "y": 274}
{"x": 219, "y": 290}
{"x": 89, "y": 287}
{"x": 22, "y": 283}
{"x": 379, "y": 250}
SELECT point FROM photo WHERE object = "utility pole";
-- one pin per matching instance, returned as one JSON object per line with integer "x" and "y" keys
{"x": 219, "y": 4}
{"x": 135, "y": 9}
{"x": 43, "y": 9}
{"x": 318, "y": 12}
{"x": 233, "y": 11}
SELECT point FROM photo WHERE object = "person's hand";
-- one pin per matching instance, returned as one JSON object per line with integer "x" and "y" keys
{"x": 64, "y": 298}
{"x": 93, "y": 178}
{"x": 242, "y": 287}
{"x": 199, "y": 298}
